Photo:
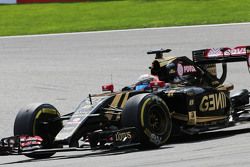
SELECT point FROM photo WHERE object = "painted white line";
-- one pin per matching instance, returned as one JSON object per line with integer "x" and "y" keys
{"x": 126, "y": 30}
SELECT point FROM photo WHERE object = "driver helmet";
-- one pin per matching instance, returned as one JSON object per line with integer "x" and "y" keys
{"x": 144, "y": 80}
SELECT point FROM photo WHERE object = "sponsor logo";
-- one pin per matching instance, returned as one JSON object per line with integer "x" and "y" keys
{"x": 191, "y": 102}
{"x": 155, "y": 139}
{"x": 217, "y": 52}
{"x": 121, "y": 136}
{"x": 235, "y": 51}
{"x": 189, "y": 69}
{"x": 192, "y": 118}
{"x": 179, "y": 69}
{"x": 213, "y": 102}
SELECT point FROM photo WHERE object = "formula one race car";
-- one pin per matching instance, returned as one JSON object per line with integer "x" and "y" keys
{"x": 181, "y": 96}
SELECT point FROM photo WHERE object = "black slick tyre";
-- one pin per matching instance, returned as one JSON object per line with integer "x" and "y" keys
{"x": 151, "y": 117}
{"x": 35, "y": 119}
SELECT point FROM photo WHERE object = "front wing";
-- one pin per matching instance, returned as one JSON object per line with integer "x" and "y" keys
{"x": 112, "y": 139}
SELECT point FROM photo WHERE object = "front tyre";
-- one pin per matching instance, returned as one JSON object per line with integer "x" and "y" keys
{"x": 151, "y": 117}
{"x": 37, "y": 119}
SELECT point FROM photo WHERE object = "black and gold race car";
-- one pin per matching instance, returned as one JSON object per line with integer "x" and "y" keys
{"x": 180, "y": 96}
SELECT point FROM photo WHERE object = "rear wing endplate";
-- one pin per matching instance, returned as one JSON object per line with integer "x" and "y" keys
{"x": 222, "y": 55}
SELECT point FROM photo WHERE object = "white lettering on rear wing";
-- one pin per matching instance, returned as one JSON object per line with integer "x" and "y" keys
{"x": 222, "y": 55}
{"x": 225, "y": 52}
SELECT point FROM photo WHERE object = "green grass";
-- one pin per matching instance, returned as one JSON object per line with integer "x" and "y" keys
{"x": 109, "y": 15}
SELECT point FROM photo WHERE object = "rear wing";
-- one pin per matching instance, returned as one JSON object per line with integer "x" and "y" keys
{"x": 222, "y": 55}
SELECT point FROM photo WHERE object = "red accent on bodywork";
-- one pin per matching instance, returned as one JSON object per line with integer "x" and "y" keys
{"x": 109, "y": 87}
{"x": 26, "y": 141}
{"x": 155, "y": 84}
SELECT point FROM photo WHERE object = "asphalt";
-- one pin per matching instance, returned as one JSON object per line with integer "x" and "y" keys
{"x": 64, "y": 69}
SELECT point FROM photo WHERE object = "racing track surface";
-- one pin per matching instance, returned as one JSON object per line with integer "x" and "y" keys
{"x": 63, "y": 69}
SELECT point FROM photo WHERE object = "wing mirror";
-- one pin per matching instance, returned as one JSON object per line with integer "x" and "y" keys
{"x": 108, "y": 87}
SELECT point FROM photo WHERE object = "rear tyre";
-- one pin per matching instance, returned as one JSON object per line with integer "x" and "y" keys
{"x": 35, "y": 119}
{"x": 151, "y": 117}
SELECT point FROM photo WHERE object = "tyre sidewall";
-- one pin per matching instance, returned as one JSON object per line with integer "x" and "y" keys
{"x": 27, "y": 123}
{"x": 147, "y": 103}
{"x": 135, "y": 114}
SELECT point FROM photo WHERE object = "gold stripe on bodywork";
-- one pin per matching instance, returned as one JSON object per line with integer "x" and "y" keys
{"x": 208, "y": 119}
{"x": 116, "y": 100}
{"x": 125, "y": 100}
{"x": 184, "y": 117}
{"x": 165, "y": 60}
{"x": 178, "y": 116}
{"x": 225, "y": 87}
{"x": 171, "y": 93}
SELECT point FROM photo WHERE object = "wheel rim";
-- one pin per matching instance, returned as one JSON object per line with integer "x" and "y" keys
{"x": 46, "y": 131}
{"x": 157, "y": 120}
